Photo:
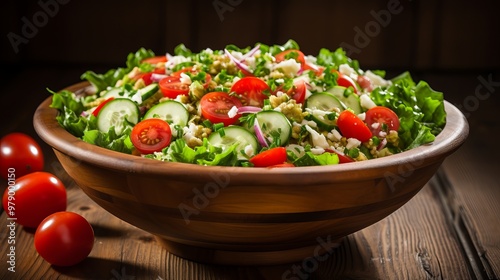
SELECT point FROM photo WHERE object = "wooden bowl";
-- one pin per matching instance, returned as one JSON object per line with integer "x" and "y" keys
{"x": 247, "y": 216}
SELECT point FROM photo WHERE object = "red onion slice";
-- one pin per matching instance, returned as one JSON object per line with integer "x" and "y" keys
{"x": 250, "y": 53}
{"x": 248, "y": 109}
{"x": 260, "y": 135}
{"x": 382, "y": 144}
{"x": 239, "y": 64}
{"x": 157, "y": 77}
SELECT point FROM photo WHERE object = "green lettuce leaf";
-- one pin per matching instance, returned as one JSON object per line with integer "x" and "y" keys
{"x": 102, "y": 81}
{"x": 420, "y": 109}
{"x": 206, "y": 154}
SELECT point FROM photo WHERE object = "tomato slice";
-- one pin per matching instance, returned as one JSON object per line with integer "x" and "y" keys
{"x": 351, "y": 126}
{"x": 172, "y": 86}
{"x": 271, "y": 157}
{"x": 155, "y": 59}
{"x": 216, "y": 105}
{"x": 251, "y": 91}
{"x": 99, "y": 107}
{"x": 365, "y": 83}
{"x": 346, "y": 81}
{"x": 299, "y": 56}
{"x": 298, "y": 92}
{"x": 378, "y": 117}
{"x": 151, "y": 135}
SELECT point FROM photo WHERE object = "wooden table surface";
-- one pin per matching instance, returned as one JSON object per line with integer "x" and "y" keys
{"x": 449, "y": 230}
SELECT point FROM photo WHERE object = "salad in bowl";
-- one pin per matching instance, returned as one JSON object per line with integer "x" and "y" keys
{"x": 258, "y": 106}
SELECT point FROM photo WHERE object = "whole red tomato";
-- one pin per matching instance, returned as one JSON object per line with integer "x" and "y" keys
{"x": 64, "y": 238}
{"x": 33, "y": 197}
{"x": 21, "y": 153}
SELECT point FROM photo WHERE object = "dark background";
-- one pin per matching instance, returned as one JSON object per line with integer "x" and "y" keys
{"x": 450, "y": 44}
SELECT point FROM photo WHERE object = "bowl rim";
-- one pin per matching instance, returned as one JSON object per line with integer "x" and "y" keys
{"x": 48, "y": 129}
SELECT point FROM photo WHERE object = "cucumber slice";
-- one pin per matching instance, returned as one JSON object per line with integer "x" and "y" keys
{"x": 349, "y": 99}
{"x": 148, "y": 91}
{"x": 274, "y": 123}
{"x": 117, "y": 113}
{"x": 235, "y": 134}
{"x": 114, "y": 92}
{"x": 322, "y": 119}
{"x": 324, "y": 101}
{"x": 170, "y": 111}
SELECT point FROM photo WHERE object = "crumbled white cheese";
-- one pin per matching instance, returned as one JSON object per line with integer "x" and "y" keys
{"x": 237, "y": 55}
{"x": 376, "y": 79}
{"x": 137, "y": 97}
{"x": 249, "y": 150}
{"x": 375, "y": 125}
{"x": 352, "y": 143}
{"x": 366, "y": 102}
{"x": 362, "y": 116}
{"x": 172, "y": 61}
{"x": 318, "y": 140}
{"x": 317, "y": 150}
{"x": 185, "y": 79}
{"x": 235, "y": 79}
{"x": 250, "y": 61}
{"x": 189, "y": 132}
{"x": 232, "y": 112}
{"x": 310, "y": 59}
{"x": 348, "y": 71}
{"x": 382, "y": 134}
{"x": 334, "y": 135}
{"x": 289, "y": 67}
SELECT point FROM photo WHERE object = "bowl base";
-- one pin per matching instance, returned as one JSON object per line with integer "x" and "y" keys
{"x": 320, "y": 251}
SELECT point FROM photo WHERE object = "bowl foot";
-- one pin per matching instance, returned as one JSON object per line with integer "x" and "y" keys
{"x": 321, "y": 251}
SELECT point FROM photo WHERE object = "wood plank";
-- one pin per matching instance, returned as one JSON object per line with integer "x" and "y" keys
{"x": 474, "y": 197}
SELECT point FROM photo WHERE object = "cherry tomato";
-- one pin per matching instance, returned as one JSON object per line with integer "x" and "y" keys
{"x": 382, "y": 116}
{"x": 346, "y": 81}
{"x": 251, "y": 91}
{"x": 99, "y": 107}
{"x": 192, "y": 71}
{"x": 300, "y": 58}
{"x": 216, "y": 105}
{"x": 351, "y": 126}
{"x": 34, "y": 197}
{"x": 155, "y": 59}
{"x": 151, "y": 135}
{"x": 343, "y": 158}
{"x": 271, "y": 157}
{"x": 172, "y": 87}
{"x": 21, "y": 152}
{"x": 364, "y": 82}
{"x": 298, "y": 92}
{"x": 64, "y": 239}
